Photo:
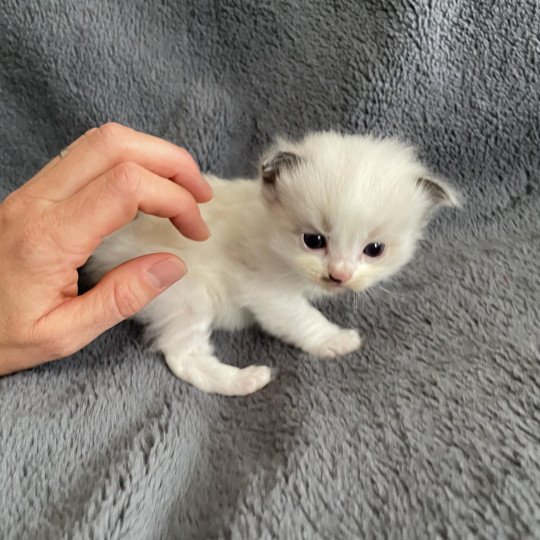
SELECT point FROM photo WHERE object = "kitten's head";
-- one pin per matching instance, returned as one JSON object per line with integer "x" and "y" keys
{"x": 348, "y": 210}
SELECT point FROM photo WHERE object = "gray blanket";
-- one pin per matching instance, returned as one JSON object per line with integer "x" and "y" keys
{"x": 432, "y": 430}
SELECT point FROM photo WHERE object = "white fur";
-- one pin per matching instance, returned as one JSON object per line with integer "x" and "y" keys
{"x": 255, "y": 267}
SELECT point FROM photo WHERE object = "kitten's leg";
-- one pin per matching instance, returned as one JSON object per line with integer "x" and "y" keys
{"x": 188, "y": 353}
{"x": 297, "y": 322}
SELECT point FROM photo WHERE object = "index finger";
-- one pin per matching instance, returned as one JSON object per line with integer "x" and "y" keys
{"x": 113, "y": 200}
{"x": 102, "y": 149}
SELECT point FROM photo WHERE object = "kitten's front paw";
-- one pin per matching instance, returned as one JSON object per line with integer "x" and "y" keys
{"x": 342, "y": 342}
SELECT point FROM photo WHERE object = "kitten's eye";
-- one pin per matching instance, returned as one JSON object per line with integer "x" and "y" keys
{"x": 374, "y": 250}
{"x": 314, "y": 241}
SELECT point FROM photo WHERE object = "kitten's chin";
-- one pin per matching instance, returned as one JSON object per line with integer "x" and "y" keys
{"x": 328, "y": 287}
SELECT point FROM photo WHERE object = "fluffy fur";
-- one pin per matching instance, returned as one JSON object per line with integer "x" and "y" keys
{"x": 351, "y": 190}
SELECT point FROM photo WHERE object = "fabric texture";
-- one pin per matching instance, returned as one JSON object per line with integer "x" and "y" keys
{"x": 432, "y": 429}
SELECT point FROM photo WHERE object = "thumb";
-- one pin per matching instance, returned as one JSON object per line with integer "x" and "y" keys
{"x": 121, "y": 293}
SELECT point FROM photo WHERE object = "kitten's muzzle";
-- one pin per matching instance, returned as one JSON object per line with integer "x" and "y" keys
{"x": 335, "y": 279}
{"x": 339, "y": 275}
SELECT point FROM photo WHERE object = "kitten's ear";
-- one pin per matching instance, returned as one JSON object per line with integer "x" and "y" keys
{"x": 276, "y": 162}
{"x": 440, "y": 193}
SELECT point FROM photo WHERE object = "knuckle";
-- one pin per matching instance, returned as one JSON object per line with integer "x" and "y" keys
{"x": 126, "y": 178}
{"x": 128, "y": 299}
{"x": 112, "y": 136}
{"x": 24, "y": 219}
{"x": 186, "y": 156}
{"x": 12, "y": 206}
{"x": 113, "y": 130}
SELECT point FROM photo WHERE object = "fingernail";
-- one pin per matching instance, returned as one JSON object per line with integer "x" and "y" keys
{"x": 166, "y": 272}
{"x": 207, "y": 230}
{"x": 209, "y": 189}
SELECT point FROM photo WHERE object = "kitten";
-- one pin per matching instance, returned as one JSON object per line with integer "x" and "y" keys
{"x": 330, "y": 213}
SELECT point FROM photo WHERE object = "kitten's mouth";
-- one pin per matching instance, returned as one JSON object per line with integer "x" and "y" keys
{"x": 330, "y": 285}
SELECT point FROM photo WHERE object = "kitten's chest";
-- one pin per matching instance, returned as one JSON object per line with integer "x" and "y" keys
{"x": 232, "y": 316}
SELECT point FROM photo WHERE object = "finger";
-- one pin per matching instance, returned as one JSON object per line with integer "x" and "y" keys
{"x": 114, "y": 199}
{"x": 102, "y": 149}
{"x": 120, "y": 294}
{"x": 59, "y": 157}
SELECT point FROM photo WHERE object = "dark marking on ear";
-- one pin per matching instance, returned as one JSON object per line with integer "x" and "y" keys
{"x": 439, "y": 193}
{"x": 272, "y": 167}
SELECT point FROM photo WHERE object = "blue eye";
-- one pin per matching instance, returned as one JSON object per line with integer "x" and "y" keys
{"x": 374, "y": 250}
{"x": 314, "y": 241}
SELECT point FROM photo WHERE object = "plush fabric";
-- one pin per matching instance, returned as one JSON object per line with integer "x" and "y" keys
{"x": 432, "y": 429}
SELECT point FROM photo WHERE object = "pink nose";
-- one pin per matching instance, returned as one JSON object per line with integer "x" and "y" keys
{"x": 340, "y": 276}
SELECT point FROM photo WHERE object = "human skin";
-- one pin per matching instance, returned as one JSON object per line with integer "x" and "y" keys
{"x": 50, "y": 226}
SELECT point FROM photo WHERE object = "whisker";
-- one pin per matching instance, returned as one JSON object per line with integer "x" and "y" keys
{"x": 366, "y": 296}
{"x": 386, "y": 290}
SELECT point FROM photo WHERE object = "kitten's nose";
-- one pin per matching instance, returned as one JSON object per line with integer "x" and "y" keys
{"x": 340, "y": 276}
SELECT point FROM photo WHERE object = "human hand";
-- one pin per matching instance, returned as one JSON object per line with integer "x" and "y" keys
{"x": 51, "y": 225}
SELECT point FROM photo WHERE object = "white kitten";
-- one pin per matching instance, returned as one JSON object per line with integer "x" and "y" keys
{"x": 330, "y": 213}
